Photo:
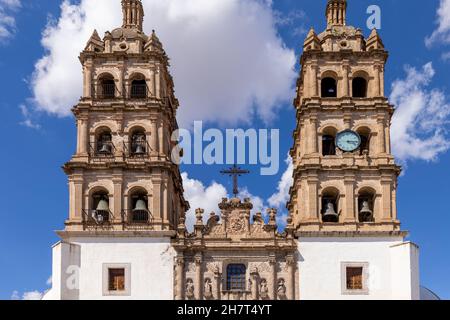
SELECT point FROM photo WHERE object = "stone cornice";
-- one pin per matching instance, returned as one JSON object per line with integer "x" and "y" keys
{"x": 64, "y": 235}
{"x": 351, "y": 234}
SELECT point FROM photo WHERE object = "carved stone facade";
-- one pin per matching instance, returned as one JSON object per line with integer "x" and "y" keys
{"x": 204, "y": 255}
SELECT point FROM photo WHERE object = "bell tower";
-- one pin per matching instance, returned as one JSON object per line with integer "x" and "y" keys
{"x": 345, "y": 177}
{"x": 121, "y": 177}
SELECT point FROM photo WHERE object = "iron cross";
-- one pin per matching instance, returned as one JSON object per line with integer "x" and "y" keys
{"x": 235, "y": 172}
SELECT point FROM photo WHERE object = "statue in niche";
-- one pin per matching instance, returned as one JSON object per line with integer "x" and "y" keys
{"x": 263, "y": 289}
{"x": 189, "y": 289}
{"x": 208, "y": 289}
{"x": 281, "y": 290}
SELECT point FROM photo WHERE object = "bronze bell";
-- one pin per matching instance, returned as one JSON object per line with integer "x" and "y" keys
{"x": 365, "y": 214}
{"x": 102, "y": 211}
{"x": 139, "y": 149}
{"x": 106, "y": 148}
{"x": 140, "y": 211}
{"x": 330, "y": 214}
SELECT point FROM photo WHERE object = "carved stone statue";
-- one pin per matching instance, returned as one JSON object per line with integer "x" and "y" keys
{"x": 263, "y": 289}
{"x": 281, "y": 290}
{"x": 189, "y": 289}
{"x": 208, "y": 290}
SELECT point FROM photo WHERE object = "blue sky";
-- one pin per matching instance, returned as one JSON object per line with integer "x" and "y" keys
{"x": 34, "y": 194}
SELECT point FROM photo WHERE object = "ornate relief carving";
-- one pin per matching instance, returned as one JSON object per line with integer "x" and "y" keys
{"x": 190, "y": 289}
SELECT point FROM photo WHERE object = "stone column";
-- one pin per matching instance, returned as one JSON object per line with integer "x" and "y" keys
{"x": 313, "y": 198}
{"x": 313, "y": 80}
{"x": 290, "y": 281}
{"x": 345, "y": 81}
{"x": 82, "y": 143}
{"x": 349, "y": 213}
{"x": 386, "y": 185}
{"x": 161, "y": 137}
{"x": 381, "y": 135}
{"x": 157, "y": 212}
{"x": 154, "y": 136}
{"x": 179, "y": 290}
{"x": 377, "y": 83}
{"x": 218, "y": 283}
{"x": 76, "y": 197}
{"x": 118, "y": 196}
{"x": 198, "y": 277}
{"x": 87, "y": 92}
{"x": 313, "y": 148}
{"x": 255, "y": 283}
{"x": 273, "y": 277}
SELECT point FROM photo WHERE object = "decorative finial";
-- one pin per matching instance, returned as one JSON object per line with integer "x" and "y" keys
{"x": 133, "y": 14}
{"x": 336, "y": 12}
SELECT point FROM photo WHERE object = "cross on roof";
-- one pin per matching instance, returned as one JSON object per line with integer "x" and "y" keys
{"x": 235, "y": 172}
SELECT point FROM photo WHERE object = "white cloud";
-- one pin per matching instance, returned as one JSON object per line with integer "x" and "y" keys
{"x": 199, "y": 196}
{"x": 281, "y": 197}
{"x": 28, "y": 118}
{"x": 225, "y": 55}
{"x": 30, "y": 295}
{"x": 420, "y": 123}
{"x": 442, "y": 32}
{"x": 7, "y": 19}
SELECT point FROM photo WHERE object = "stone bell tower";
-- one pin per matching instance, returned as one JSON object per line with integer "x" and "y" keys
{"x": 345, "y": 174}
{"x": 122, "y": 176}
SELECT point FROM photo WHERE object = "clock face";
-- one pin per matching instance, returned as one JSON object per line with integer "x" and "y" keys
{"x": 348, "y": 141}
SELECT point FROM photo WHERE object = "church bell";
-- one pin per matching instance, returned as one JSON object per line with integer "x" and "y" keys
{"x": 330, "y": 215}
{"x": 139, "y": 149}
{"x": 106, "y": 148}
{"x": 365, "y": 214}
{"x": 102, "y": 211}
{"x": 140, "y": 211}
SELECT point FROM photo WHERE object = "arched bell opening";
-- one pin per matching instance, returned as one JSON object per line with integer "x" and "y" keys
{"x": 366, "y": 205}
{"x": 138, "y": 88}
{"x": 365, "y": 135}
{"x": 138, "y": 142}
{"x": 330, "y": 205}
{"x": 100, "y": 204}
{"x": 107, "y": 87}
{"x": 104, "y": 144}
{"x": 139, "y": 212}
{"x": 329, "y": 142}
{"x": 329, "y": 87}
{"x": 359, "y": 87}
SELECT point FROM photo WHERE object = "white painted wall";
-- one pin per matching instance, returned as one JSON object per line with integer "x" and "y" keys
{"x": 393, "y": 267}
{"x": 151, "y": 261}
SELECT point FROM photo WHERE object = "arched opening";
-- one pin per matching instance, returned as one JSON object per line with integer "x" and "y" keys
{"x": 100, "y": 206}
{"x": 365, "y": 135}
{"x": 104, "y": 144}
{"x": 329, "y": 87}
{"x": 330, "y": 205}
{"x": 107, "y": 88}
{"x": 359, "y": 87}
{"x": 138, "y": 87}
{"x": 139, "y": 207}
{"x": 236, "y": 277}
{"x": 329, "y": 142}
{"x": 138, "y": 143}
{"x": 366, "y": 205}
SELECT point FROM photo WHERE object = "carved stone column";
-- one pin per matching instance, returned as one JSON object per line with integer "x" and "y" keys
{"x": 82, "y": 124}
{"x": 255, "y": 283}
{"x": 218, "y": 283}
{"x": 154, "y": 136}
{"x": 345, "y": 81}
{"x": 273, "y": 278}
{"x": 381, "y": 135}
{"x": 179, "y": 290}
{"x": 198, "y": 277}
{"x": 290, "y": 281}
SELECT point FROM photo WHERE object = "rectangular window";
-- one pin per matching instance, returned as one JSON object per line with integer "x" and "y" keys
{"x": 355, "y": 278}
{"x": 116, "y": 280}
